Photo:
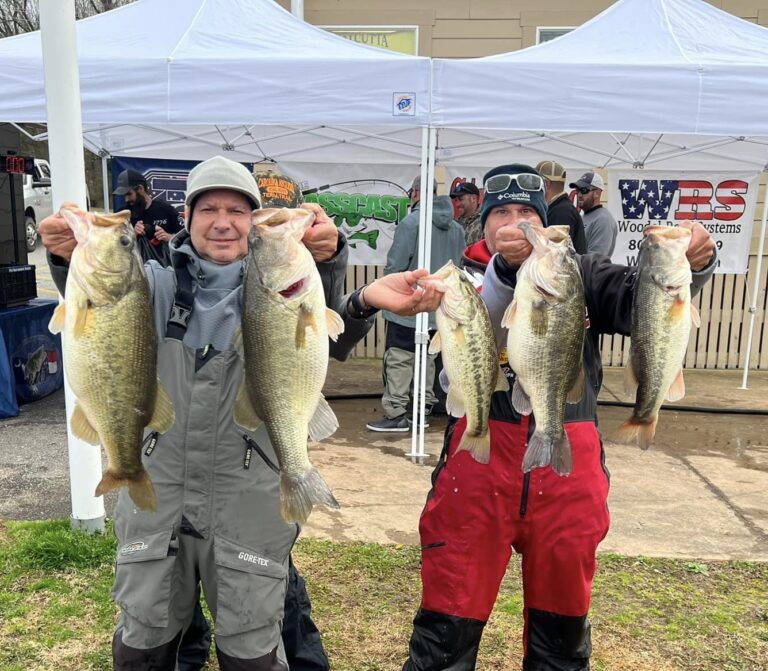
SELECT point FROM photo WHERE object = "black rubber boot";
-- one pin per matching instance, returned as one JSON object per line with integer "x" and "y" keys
{"x": 557, "y": 642}
{"x": 443, "y": 643}
{"x": 162, "y": 658}
{"x": 268, "y": 662}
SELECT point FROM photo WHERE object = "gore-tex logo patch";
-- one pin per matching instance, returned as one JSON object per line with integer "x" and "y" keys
{"x": 253, "y": 559}
{"x": 130, "y": 548}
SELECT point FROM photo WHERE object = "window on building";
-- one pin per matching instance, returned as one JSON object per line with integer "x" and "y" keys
{"x": 546, "y": 34}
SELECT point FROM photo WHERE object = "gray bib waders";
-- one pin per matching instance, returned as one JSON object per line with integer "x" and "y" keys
{"x": 217, "y": 523}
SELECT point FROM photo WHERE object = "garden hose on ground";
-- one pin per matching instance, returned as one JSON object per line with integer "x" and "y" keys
{"x": 618, "y": 403}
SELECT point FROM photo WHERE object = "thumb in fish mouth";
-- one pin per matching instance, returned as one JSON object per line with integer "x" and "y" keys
{"x": 77, "y": 220}
{"x": 439, "y": 284}
{"x": 534, "y": 235}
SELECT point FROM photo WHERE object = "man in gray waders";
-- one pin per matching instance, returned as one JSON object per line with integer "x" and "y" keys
{"x": 215, "y": 509}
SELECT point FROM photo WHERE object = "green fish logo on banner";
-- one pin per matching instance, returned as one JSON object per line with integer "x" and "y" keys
{"x": 351, "y": 208}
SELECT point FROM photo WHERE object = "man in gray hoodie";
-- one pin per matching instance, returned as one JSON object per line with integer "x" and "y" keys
{"x": 399, "y": 349}
{"x": 217, "y": 520}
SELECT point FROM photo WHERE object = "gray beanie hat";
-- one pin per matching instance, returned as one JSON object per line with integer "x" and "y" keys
{"x": 220, "y": 173}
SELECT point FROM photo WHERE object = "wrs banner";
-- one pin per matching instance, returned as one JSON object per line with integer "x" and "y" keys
{"x": 365, "y": 202}
{"x": 724, "y": 203}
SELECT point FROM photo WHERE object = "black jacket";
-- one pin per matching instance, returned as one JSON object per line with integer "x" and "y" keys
{"x": 561, "y": 212}
{"x": 608, "y": 290}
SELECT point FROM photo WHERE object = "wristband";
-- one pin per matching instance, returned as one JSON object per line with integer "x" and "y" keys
{"x": 358, "y": 311}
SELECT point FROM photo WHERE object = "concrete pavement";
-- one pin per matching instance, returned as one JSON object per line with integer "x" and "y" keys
{"x": 700, "y": 492}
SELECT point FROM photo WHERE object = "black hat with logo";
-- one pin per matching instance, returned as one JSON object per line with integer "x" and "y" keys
{"x": 514, "y": 183}
{"x": 128, "y": 180}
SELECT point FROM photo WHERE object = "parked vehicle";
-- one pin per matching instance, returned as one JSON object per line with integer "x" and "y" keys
{"x": 37, "y": 200}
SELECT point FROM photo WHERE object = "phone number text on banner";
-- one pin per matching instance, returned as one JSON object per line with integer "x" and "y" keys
{"x": 724, "y": 203}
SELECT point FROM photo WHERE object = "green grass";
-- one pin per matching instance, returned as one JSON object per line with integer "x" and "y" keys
{"x": 665, "y": 615}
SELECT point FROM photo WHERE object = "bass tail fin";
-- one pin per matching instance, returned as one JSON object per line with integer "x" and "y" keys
{"x": 478, "y": 446}
{"x": 639, "y": 431}
{"x": 299, "y": 493}
{"x": 562, "y": 458}
{"x": 139, "y": 487}
{"x": 539, "y": 451}
{"x": 546, "y": 450}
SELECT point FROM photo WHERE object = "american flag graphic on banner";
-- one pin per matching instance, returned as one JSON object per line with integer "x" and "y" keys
{"x": 721, "y": 202}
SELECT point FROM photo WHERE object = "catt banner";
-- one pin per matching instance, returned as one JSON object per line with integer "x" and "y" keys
{"x": 724, "y": 203}
{"x": 366, "y": 202}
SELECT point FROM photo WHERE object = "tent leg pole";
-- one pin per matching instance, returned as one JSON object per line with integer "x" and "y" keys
{"x": 756, "y": 287}
{"x": 105, "y": 184}
{"x": 414, "y": 453}
{"x": 428, "y": 205}
{"x": 65, "y": 142}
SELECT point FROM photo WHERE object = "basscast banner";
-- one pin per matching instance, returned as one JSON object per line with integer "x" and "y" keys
{"x": 166, "y": 178}
{"x": 366, "y": 202}
{"x": 724, "y": 203}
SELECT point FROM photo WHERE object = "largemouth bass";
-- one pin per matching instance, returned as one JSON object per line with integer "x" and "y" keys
{"x": 662, "y": 315}
{"x": 465, "y": 338}
{"x": 545, "y": 343}
{"x": 110, "y": 350}
{"x": 285, "y": 331}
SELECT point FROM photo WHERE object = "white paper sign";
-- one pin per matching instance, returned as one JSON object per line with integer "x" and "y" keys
{"x": 724, "y": 203}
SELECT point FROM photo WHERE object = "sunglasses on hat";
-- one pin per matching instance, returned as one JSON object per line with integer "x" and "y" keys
{"x": 526, "y": 181}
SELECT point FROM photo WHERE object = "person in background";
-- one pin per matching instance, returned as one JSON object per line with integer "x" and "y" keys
{"x": 400, "y": 345}
{"x": 560, "y": 210}
{"x": 154, "y": 221}
{"x": 600, "y": 226}
{"x": 466, "y": 197}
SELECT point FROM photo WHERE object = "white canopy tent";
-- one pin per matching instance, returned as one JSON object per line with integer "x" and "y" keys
{"x": 641, "y": 66}
{"x": 195, "y": 78}
{"x": 663, "y": 84}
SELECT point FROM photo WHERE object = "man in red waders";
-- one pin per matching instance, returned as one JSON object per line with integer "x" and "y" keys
{"x": 477, "y": 514}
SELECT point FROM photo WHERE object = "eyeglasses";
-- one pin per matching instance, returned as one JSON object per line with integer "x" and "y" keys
{"x": 526, "y": 181}
{"x": 583, "y": 190}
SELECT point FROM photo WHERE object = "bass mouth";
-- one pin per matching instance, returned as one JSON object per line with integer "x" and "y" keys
{"x": 295, "y": 288}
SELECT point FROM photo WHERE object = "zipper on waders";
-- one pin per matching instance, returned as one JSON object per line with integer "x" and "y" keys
{"x": 250, "y": 445}
{"x": 524, "y": 496}
{"x": 247, "y": 459}
{"x": 527, "y": 476}
{"x": 150, "y": 442}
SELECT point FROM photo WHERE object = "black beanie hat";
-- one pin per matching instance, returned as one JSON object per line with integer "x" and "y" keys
{"x": 513, "y": 193}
